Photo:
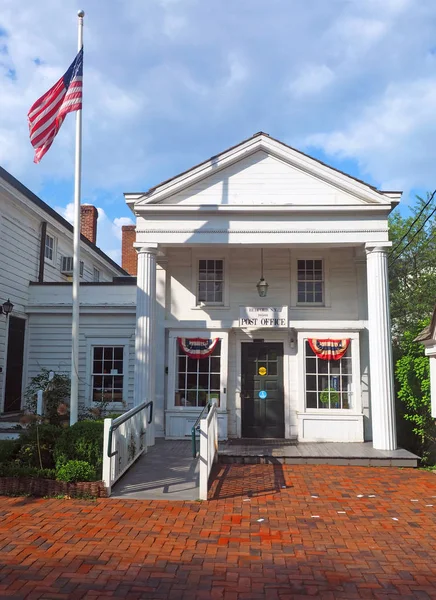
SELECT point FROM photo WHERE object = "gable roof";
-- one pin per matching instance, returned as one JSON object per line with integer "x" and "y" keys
{"x": 427, "y": 333}
{"x": 392, "y": 195}
{"x": 10, "y": 179}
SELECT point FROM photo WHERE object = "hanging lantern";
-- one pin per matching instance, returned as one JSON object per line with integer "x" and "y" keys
{"x": 262, "y": 286}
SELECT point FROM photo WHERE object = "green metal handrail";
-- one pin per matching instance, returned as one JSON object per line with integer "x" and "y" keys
{"x": 125, "y": 417}
{"x": 196, "y": 427}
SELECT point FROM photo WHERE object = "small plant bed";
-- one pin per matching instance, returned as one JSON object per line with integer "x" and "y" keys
{"x": 53, "y": 460}
{"x": 50, "y": 458}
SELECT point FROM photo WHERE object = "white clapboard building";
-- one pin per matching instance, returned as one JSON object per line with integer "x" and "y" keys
{"x": 261, "y": 284}
{"x": 36, "y": 246}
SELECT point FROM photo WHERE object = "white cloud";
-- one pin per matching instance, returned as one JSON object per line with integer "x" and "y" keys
{"x": 311, "y": 80}
{"x": 392, "y": 138}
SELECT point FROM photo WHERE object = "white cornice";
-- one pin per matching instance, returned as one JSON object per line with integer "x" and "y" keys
{"x": 156, "y": 209}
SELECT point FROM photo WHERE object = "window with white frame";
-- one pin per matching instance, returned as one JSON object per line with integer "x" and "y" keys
{"x": 198, "y": 379}
{"x": 328, "y": 382}
{"x": 49, "y": 248}
{"x": 210, "y": 282}
{"x": 310, "y": 281}
{"x": 107, "y": 373}
{"x": 96, "y": 275}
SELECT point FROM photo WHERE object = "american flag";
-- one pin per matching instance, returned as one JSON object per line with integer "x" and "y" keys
{"x": 48, "y": 113}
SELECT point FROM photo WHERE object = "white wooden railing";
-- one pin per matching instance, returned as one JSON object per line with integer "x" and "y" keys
{"x": 208, "y": 448}
{"x": 125, "y": 439}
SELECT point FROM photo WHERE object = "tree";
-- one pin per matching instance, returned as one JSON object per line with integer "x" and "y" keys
{"x": 412, "y": 269}
{"x": 412, "y": 266}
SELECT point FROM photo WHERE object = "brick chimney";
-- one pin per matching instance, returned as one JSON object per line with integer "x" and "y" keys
{"x": 88, "y": 222}
{"x": 129, "y": 256}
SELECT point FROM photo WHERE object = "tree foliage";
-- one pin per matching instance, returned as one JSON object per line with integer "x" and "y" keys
{"x": 412, "y": 269}
{"x": 412, "y": 272}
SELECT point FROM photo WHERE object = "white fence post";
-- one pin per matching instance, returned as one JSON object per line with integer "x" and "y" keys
{"x": 106, "y": 459}
{"x": 208, "y": 449}
{"x": 203, "y": 458}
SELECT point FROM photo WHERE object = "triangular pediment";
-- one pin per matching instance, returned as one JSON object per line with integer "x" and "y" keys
{"x": 262, "y": 171}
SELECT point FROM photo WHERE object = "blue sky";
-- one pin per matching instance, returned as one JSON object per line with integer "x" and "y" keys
{"x": 169, "y": 83}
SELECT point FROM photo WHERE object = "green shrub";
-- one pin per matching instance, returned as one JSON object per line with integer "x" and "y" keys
{"x": 37, "y": 444}
{"x": 81, "y": 442}
{"x": 14, "y": 469}
{"x": 8, "y": 449}
{"x": 76, "y": 470}
{"x": 334, "y": 397}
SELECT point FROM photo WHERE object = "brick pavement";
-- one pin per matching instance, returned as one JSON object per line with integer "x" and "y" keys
{"x": 268, "y": 532}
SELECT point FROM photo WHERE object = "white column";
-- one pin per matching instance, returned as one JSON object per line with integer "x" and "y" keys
{"x": 145, "y": 324}
{"x": 384, "y": 433}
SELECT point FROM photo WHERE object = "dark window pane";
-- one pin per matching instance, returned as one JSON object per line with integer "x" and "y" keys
{"x": 215, "y": 382}
{"x": 318, "y": 264}
{"x": 311, "y": 400}
{"x": 191, "y": 381}
{"x": 108, "y": 353}
{"x": 118, "y": 382}
{"x": 202, "y": 265}
{"x": 98, "y": 381}
{"x": 311, "y": 383}
{"x": 98, "y": 366}
{"x": 118, "y": 365}
{"x": 192, "y": 365}
{"x": 181, "y": 385}
{"x": 182, "y": 363}
{"x": 215, "y": 364}
{"x": 318, "y": 296}
{"x": 309, "y": 351}
{"x": 98, "y": 353}
{"x": 203, "y": 381}
{"x": 118, "y": 354}
{"x": 191, "y": 399}
{"x": 203, "y": 365}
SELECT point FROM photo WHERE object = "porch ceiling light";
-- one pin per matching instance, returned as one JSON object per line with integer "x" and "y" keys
{"x": 6, "y": 308}
{"x": 262, "y": 286}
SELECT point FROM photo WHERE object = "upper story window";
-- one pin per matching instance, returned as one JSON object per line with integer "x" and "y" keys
{"x": 310, "y": 282}
{"x": 210, "y": 286}
{"x": 82, "y": 266}
{"x": 96, "y": 275}
{"x": 49, "y": 247}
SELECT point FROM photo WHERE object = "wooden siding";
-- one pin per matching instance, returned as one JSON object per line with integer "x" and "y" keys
{"x": 49, "y": 345}
{"x": 262, "y": 179}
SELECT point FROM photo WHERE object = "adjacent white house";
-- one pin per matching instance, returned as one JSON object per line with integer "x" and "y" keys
{"x": 428, "y": 338}
{"x": 36, "y": 246}
{"x": 261, "y": 285}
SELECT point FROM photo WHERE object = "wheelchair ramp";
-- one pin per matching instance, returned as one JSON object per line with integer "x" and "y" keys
{"x": 166, "y": 472}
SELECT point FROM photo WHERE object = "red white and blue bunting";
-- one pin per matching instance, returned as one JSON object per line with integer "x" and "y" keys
{"x": 198, "y": 347}
{"x": 329, "y": 349}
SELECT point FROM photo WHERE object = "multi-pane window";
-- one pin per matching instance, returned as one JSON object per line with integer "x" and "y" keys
{"x": 96, "y": 275}
{"x": 310, "y": 282}
{"x": 107, "y": 373}
{"x": 49, "y": 247}
{"x": 81, "y": 268}
{"x": 210, "y": 281}
{"x": 198, "y": 379}
{"x": 328, "y": 382}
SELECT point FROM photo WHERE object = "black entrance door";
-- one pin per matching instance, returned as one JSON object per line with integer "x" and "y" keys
{"x": 14, "y": 365}
{"x": 262, "y": 390}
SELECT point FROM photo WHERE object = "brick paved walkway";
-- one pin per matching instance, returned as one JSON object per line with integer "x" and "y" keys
{"x": 331, "y": 532}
